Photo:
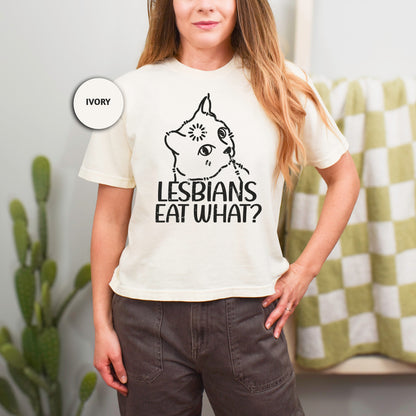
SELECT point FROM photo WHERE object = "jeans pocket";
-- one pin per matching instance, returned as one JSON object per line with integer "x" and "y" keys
{"x": 259, "y": 360}
{"x": 137, "y": 324}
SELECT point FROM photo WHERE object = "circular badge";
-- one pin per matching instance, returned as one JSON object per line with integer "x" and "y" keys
{"x": 98, "y": 103}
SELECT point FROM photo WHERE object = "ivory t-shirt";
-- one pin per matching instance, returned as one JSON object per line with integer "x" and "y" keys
{"x": 200, "y": 151}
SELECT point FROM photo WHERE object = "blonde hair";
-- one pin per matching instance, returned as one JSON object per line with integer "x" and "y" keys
{"x": 255, "y": 40}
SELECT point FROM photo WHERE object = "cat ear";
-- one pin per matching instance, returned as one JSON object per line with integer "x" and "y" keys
{"x": 205, "y": 105}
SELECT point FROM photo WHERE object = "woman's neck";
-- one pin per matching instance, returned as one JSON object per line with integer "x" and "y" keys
{"x": 205, "y": 59}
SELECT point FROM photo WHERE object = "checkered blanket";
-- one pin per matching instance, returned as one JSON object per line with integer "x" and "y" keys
{"x": 364, "y": 299}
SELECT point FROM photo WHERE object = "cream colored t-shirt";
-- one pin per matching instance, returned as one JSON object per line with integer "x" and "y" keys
{"x": 200, "y": 151}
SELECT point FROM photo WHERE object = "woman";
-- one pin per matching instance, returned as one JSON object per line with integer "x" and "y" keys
{"x": 215, "y": 121}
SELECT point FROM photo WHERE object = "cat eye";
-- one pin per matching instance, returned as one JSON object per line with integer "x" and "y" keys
{"x": 222, "y": 133}
{"x": 206, "y": 149}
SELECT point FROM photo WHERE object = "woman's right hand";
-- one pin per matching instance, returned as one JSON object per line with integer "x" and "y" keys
{"x": 108, "y": 359}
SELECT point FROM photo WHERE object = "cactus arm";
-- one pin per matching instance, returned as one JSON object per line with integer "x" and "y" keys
{"x": 87, "y": 386}
{"x": 37, "y": 406}
{"x": 35, "y": 256}
{"x": 32, "y": 375}
{"x": 82, "y": 278}
{"x": 55, "y": 401}
{"x": 38, "y": 315}
{"x": 17, "y": 211}
{"x": 28, "y": 388}
{"x": 43, "y": 229}
{"x": 30, "y": 346}
{"x": 21, "y": 240}
{"x": 46, "y": 304}
{"x": 25, "y": 288}
{"x": 80, "y": 409}
{"x": 85, "y": 390}
{"x": 14, "y": 358}
{"x": 41, "y": 173}
{"x": 49, "y": 350}
{"x": 7, "y": 398}
{"x": 12, "y": 355}
{"x": 63, "y": 306}
{"x": 5, "y": 337}
{"x": 48, "y": 272}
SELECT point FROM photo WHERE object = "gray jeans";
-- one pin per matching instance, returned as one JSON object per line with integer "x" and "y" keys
{"x": 172, "y": 351}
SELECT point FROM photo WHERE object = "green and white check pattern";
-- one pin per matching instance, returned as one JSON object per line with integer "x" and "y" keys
{"x": 364, "y": 299}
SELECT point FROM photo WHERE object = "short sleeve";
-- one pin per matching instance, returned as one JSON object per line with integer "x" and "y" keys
{"x": 108, "y": 157}
{"x": 323, "y": 147}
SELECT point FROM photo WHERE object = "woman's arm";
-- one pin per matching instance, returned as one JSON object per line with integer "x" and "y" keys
{"x": 343, "y": 187}
{"x": 109, "y": 234}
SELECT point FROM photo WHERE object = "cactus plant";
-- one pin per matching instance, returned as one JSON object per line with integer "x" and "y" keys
{"x": 7, "y": 397}
{"x": 21, "y": 239}
{"x": 41, "y": 176}
{"x": 25, "y": 288}
{"x": 17, "y": 211}
{"x": 30, "y": 345}
{"x": 35, "y": 370}
{"x": 48, "y": 272}
{"x": 4, "y": 336}
{"x": 86, "y": 389}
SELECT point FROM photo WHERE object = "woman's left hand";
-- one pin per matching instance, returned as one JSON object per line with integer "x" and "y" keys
{"x": 289, "y": 289}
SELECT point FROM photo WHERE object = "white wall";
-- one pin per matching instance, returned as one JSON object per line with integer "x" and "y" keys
{"x": 49, "y": 47}
{"x": 364, "y": 38}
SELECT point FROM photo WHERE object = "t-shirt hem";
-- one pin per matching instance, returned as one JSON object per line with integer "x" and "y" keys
{"x": 192, "y": 295}
{"x": 99, "y": 177}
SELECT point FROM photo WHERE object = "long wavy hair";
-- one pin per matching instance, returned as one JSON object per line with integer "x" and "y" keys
{"x": 255, "y": 40}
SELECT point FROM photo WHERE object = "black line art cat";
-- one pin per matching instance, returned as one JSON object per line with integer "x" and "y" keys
{"x": 203, "y": 146}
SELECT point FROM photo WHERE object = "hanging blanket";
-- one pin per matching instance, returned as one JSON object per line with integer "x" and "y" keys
{"x": 364, "y": 299}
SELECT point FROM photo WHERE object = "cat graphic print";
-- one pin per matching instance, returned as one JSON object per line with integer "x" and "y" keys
{"x": 204, "y": 152}
{"x": 203, "y": 146}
